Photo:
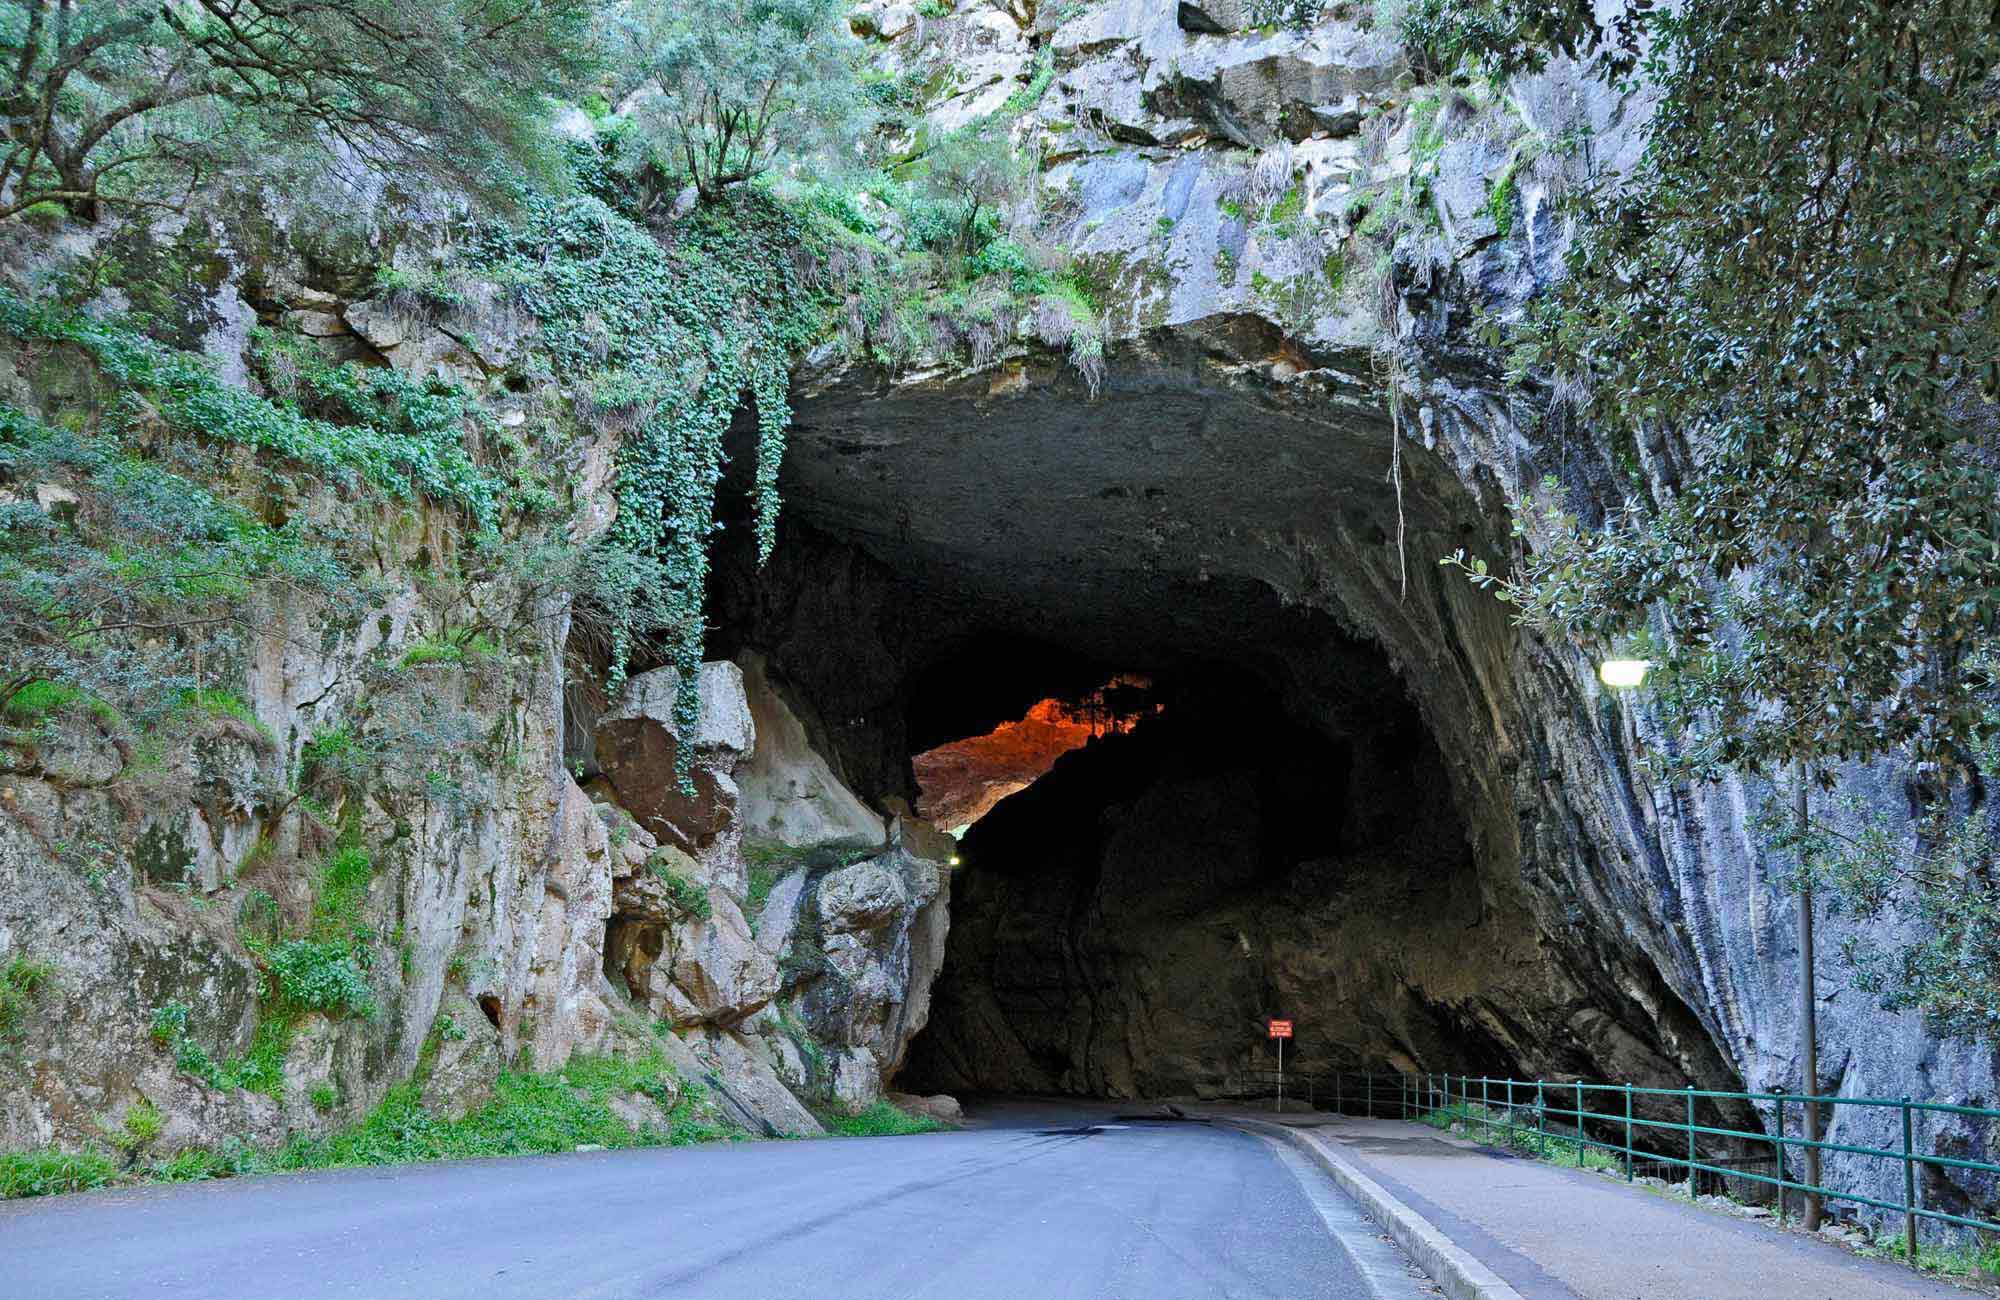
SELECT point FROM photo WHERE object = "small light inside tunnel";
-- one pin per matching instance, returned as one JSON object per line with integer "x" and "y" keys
{"x": 1624, "y": 674}
{"x": 954, "y": 859}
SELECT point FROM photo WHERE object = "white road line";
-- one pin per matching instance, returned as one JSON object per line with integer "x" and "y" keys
{"x": 1381, "y": 1263}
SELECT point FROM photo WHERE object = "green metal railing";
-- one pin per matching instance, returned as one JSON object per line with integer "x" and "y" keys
{"x": 1619, "y": 1119}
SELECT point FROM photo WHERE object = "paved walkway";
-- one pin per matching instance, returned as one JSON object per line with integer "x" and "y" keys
{"x": 1564, "y": 1234}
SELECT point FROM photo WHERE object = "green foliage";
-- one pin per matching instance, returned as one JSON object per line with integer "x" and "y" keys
{"x": 1510, "y": 36}
{"x": 114, "y": 103}
{"x": 261, "y": 1069}
{"x": 53, "y": 1172}
{"x": 664, "y": 339}
{"x": 1975, "y": 1258}
{"x": 1795, "y": 306}
{"x": 111, "y": 600}
{"x": 422, "y": 422}
{"x": 880, "y": 1120}
{"x": 142, "y": 1124}
{"x": 432, "y": 652}
{"x": 21, "y": 979}
{"x": 416, "y": 447}
{"x": 322, "y": 977}
{"x": 530, "y": 1113}
{"x": 324, "y": 1097}
{"x": 969, "y": 174}
{"x": 340, "y": 892}
{"x": 1041, "y": 73}
{"x": 170, "y": 1022}
{"x": 1515, "y": 1130}
{"x": 1802, "y": 314}
{"x": 737, "y": 83}
{"x": 687, "y": 896}
{"x": 1935, "y": 880}
{"x": 37, "y": 701}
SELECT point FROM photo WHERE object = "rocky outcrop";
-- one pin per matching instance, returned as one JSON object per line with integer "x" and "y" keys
{"x": 821, "y": 997}
{"x": 790, "y": 794}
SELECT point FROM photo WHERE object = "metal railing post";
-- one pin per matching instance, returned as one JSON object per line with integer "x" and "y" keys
{"x": 1628, "y": 1132}
{"x": 1337, "y": 1109}
{"x": 1779, "y": 1143}
{"x": 1541, "y": 1119}
{"x": 1485, "y": 1111}
{"x": 1579, "y": 1123}
{"x": 1690, "y": 1131}
{"x": 1909, "y": 1193}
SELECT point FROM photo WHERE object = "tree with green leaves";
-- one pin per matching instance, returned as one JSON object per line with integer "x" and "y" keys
{"x": 1795, "y": 291}
{"x": 973, "y": 172}
{"x": 139, "y": 102}
{"x": 1791, "y": 304}
{"x": 725, "y": 87}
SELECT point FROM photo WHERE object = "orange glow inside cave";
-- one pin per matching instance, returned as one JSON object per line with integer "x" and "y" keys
{"x": 960, "y": 782}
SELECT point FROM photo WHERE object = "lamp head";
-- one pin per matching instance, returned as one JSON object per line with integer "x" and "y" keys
{"x": 1624, "y": 674}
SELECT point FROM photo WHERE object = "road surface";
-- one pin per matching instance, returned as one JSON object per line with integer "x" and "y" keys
{"x": 1054, "y": 1203}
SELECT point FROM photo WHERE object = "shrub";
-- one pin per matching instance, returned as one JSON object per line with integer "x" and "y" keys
{"x": 321, "y": 977}
{"x": 170, "y": 1021}
{"x": 143, "y": 1122}
{"x": 324, "y": 1097}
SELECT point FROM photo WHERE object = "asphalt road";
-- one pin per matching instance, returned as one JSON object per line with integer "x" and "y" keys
{"x": 1011, "y": 1209}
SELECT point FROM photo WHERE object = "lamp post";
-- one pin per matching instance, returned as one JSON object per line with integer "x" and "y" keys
{"x": 1808, "y": 1016}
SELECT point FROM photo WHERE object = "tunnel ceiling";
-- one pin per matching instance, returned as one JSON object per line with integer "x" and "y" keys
{"x": 1134, "y": 524}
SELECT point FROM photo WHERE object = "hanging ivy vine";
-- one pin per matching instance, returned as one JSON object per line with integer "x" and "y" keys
{"x": 660, "y": 337}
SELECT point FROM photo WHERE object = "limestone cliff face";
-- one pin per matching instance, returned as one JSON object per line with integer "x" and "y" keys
{"x": 532, "y": 881}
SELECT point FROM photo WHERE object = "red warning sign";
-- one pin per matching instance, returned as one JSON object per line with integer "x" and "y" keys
{"x": 1281, "y": 1029}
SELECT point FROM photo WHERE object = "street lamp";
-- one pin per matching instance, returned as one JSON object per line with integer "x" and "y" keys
{"x": 1624, "y": 674}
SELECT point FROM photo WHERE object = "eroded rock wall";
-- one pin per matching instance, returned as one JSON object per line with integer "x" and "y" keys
{"x": 506, "y": 896}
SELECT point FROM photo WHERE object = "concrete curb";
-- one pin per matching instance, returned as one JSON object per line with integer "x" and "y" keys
{"x": 1461, "y": 1276}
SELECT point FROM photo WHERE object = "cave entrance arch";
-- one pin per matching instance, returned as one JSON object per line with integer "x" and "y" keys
{"x": 1223, "y": 522}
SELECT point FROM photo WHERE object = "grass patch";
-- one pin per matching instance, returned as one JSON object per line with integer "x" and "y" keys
{"x": 50, "y": 1173}
{"x": 530, "y": 1114}
{"x": 20, "y": 980}
{"x": 687, "y": 896}
{"x": 223, "y": 704}
{"x": 1957, "y": 1260}
{"x": 42, "y": 699}
{"x": 880, "y": 1120}
{"x": 1486, "y": 1123}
